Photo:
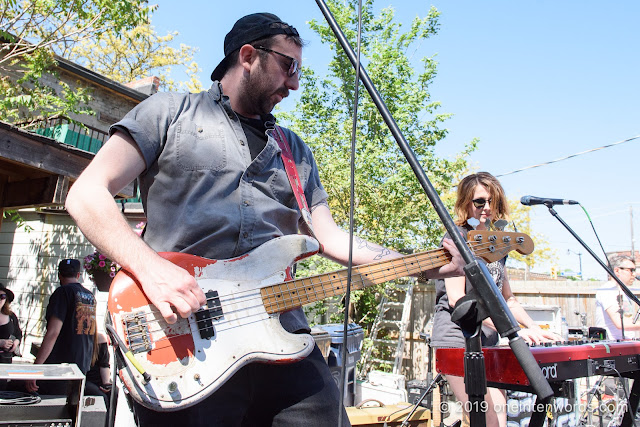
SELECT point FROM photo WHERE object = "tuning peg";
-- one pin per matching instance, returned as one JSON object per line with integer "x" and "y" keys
{"x": 473, "y": 222}
{"x": 500, "y": 224}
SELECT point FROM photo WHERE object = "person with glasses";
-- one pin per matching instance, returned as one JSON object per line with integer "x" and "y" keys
{"x": 611, "y": 301}
{"x": 213, "y": 183}
{"x": 480, "y": 203}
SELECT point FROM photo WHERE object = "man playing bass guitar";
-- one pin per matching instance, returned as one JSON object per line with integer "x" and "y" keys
{"x": 213, "y": 184}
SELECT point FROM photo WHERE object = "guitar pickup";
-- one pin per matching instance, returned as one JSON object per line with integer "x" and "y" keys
{"x": 138, "y": 338}
{"x": 206, "y": 316}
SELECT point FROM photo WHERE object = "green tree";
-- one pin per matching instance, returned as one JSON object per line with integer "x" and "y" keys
{"x": 134, "y": 54}
{"x": 390, "y": 207}
{"x": 29, "y": 29}
{"x": 522, "y": 222}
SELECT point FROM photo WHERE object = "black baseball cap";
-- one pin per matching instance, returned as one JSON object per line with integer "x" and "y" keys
{"x": 69, "y": 267}
{"x": 7, "y": 291}
{"x": 247, "y": 29}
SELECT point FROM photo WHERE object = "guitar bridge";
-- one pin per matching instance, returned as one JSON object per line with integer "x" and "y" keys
{"x": 138, "y": 337}
{"x": 206, "y": 316}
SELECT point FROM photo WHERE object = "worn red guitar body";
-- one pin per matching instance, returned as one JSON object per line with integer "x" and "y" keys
{"x": 189, "y": 360}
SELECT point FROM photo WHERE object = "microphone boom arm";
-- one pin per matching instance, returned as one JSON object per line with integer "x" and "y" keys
{"x": 624, "y": 287}
{"x": 487, "y": 290}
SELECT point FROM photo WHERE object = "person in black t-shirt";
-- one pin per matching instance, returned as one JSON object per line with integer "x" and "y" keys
{"x": 71, "y": 326}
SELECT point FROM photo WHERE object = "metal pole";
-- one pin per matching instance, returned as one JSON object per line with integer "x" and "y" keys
{"x": 633, "y": 251}
{"x": 580, "y": 258}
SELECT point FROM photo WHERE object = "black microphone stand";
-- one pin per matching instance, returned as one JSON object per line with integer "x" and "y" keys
{"x": 621, "y": 313}
{"x": 438, "y": 380}
{"x": 634, "y": 397}
{"x": 486, "y": 292}
{"x": 624, "y": 287}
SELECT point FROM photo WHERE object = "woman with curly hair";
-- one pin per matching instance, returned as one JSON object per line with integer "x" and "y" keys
{"x": 480, "y": 203}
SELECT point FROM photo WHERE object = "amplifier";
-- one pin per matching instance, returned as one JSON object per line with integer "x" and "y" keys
{"x": 51, "y": 410}
{"x": 41, "y": 413}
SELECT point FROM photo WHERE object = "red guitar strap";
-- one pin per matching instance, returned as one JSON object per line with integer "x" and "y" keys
{"x": 294, "y": 180}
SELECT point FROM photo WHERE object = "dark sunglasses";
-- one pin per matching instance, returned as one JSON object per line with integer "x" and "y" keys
{"x": 294, "y": 66}
{"x": 3, "y": 296}
{"x": 632, "y": 270}
{"x": 479, "y": 203}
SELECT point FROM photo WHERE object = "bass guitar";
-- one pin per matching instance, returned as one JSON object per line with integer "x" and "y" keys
{"x": 173, "y": 366}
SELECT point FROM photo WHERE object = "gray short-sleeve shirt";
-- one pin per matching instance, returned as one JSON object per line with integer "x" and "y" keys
{"x": 201, "y": 192}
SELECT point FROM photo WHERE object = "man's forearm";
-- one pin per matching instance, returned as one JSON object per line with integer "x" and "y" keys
{"x": 98, "y": 217}
{"x": 45, "y": 348}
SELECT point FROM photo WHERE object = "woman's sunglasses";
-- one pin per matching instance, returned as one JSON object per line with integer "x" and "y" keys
{"x": 3, "y": 296}
{"x": 479, "y": 203}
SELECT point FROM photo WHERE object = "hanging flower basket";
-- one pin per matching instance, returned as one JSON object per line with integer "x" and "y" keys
{"x": 103, "y": 280}
{"x": 101, "y": 270}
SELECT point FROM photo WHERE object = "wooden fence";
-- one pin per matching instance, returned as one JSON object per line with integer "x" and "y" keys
{"x": 570, "y": 296}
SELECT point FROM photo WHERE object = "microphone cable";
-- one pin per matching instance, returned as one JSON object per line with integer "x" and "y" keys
{"x": 596, "y": 234}
{"x": 347, "y": 297}
{"x": 18, "y": 398}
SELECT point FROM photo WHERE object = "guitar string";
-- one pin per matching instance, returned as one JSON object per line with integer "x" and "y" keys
{"x": 368, "y": 272}
{"x": 256, "y": 295}
{"x": 373, "y": 274}
{"x": 426, "y": 254}
{"x": 432, "y": 254}
{"x": 258, "y": 305}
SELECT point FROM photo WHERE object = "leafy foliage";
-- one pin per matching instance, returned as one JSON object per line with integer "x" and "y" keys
{"x": 390, "y": 205}
{"x": 15, "y": 216}
{"x": 30, "y": 30}
{"x": 522, "y": 223}
{"x": 134, "y": 54}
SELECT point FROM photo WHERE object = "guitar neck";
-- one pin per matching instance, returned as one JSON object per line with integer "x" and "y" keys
{"x": 296, "y": 293}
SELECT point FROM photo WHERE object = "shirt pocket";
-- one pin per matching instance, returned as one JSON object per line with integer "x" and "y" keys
{"x": 201, "y": 147}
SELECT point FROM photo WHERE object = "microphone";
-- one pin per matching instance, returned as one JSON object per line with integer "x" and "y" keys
{"x": 532, "y": 200}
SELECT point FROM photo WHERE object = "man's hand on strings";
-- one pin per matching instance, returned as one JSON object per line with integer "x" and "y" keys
{"x": 171, "y": 290}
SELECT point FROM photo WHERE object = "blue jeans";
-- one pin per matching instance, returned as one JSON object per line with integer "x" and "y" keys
{"x": 297, "y": 394}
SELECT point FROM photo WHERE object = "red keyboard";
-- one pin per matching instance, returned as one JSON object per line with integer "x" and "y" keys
{"x": 558, "y": 362}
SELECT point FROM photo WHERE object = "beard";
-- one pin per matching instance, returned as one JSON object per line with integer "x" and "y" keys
{"x": 257, "y": 95}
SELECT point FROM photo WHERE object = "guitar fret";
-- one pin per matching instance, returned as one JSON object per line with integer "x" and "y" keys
{"x": 307, "y": 290}
{"x": 334, "y": 276}
{"x": 280, "y": 305}
{"x": 361, "y": 276}
{"x": 324, "y": 291}
{"x": 408, "y": 265}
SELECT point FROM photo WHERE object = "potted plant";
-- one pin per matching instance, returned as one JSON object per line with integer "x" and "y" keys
{"x": 100, "y": 269}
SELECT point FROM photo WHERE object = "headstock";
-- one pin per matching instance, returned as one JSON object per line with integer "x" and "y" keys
{"x": 495, "y": 245}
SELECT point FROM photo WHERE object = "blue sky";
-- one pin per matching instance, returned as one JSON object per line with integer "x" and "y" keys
{"x": 533, "y": 80}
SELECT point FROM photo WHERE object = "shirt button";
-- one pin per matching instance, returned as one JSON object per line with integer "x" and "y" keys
{"x": 245, "y": 234}
{"x": 241, "y": 142}
{"x": 246, "y": 203}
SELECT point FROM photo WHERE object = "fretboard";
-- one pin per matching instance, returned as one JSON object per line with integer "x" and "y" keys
{"x": 296, "y": 293}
